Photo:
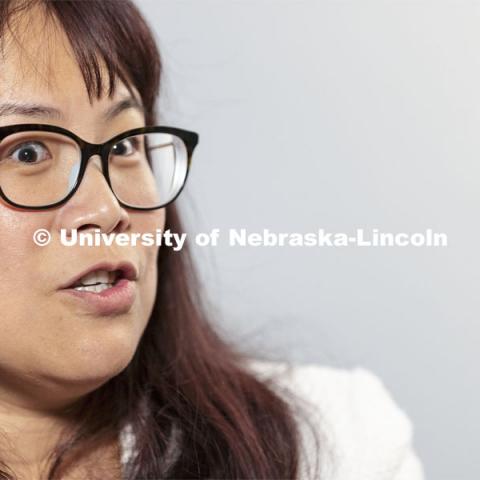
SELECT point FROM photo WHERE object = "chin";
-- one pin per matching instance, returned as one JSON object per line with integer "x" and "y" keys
{"x": 96, "y": 362}
{"x": 77, "y": 380}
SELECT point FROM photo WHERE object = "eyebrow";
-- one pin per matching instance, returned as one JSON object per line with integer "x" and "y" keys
{"x": 45, "y": 111}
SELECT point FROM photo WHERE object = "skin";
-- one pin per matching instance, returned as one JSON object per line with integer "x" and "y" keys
{"x": 54, "y": 352}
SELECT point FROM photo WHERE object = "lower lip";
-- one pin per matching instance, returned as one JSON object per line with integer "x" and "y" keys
{"x": 111, "y": 301}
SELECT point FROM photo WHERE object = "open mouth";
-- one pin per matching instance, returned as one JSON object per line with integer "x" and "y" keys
{"x": 102, "y": 276}
{"x": 98, "y": 281}
{"x": 105, "y": 288}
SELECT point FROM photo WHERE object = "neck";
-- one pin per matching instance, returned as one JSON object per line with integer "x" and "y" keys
{"x": 28, "y": 436}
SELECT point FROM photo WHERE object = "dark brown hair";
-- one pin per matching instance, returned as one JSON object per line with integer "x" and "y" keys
{"x": 183, "y": 377}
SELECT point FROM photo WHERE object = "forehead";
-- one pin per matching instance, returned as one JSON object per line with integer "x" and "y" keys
{"x": 37, "y": 61}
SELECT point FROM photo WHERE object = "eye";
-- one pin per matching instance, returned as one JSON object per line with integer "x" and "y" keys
{"x": 126, "y": 147}
{"x": 30, "y": 152}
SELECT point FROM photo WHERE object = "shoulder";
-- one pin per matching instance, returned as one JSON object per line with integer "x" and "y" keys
{"x": 361, "y": 431}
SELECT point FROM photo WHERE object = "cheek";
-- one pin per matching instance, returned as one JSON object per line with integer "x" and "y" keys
{"x": 21, "y": 258}
{"x": 148, "y": 287}
{"x": 21, "y": 280}
{"x": 142, "y": 224}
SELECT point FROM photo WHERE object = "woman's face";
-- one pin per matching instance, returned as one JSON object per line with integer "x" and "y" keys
{"x": 55, "y": 346}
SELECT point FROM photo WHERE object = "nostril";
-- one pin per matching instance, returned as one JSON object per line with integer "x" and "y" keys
{"x": 88, "y": 226}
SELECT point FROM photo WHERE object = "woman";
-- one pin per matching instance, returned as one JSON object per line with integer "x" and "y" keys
{"x": 109, "y": 367}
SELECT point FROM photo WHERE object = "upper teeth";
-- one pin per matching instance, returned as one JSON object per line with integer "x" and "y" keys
{"x": 96, "y": 277}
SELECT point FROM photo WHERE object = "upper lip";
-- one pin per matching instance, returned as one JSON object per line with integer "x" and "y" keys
{"x": 127, "y": 269}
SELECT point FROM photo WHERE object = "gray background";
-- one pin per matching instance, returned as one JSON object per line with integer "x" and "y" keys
{"x": 341, "y": 115}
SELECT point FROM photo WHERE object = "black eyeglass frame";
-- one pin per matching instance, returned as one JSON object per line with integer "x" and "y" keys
{"x": 87, "y": 150}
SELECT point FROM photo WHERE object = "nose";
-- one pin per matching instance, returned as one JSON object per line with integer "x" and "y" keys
{"x": 93, "y": 206}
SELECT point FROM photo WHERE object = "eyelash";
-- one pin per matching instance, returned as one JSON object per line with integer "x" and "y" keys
{"x": 134, "y": 140}
{"x": 19, "y": 146}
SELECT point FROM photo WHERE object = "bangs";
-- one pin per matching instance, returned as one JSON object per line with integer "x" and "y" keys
{"x": 112, "y": 32}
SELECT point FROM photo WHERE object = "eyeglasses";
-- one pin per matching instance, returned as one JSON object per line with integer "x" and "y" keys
{"x": 42, "y": 166}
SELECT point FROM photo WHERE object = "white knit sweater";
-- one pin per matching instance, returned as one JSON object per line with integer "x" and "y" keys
{"x": 362, "y": 433}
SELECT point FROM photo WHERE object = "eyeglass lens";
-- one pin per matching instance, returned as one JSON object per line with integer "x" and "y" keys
{"x": 41, "y": 168}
